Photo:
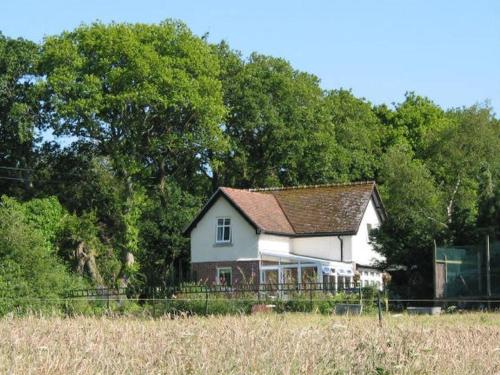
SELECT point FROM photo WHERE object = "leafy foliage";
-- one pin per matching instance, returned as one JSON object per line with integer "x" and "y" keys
{"x": 150, "y": 119}
{"x": 19, "y": 109}
{"x": 29, "y": 267}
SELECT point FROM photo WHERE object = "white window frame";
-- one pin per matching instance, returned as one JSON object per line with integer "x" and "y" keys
{"x": 224, "y": 226}
{"x": 224, "y": 269}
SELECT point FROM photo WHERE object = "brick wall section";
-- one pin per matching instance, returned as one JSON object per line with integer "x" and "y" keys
{"x": 241, "y": 270}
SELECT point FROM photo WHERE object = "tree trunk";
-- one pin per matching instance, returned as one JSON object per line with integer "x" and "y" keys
{"x": 162, "y": 175}
{"x": 449, "y": 208}
{"x": 85, "y": 259}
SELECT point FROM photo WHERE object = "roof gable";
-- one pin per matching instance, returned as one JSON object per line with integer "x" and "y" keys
{"x": 301, "y": 211}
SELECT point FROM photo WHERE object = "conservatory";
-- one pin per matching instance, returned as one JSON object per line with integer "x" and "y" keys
{"x": 286, "y": 268}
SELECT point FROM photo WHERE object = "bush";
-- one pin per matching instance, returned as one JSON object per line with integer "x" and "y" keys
{"x": 32, "y": 278}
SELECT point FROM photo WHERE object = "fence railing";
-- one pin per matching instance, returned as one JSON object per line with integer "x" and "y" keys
{"x": 234, "y": 290}
{"x": 194, "y": 299}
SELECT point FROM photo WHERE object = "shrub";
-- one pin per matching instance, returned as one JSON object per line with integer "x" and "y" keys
{"x": 32, "y": 278}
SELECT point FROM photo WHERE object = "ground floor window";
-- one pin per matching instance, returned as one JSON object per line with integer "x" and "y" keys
{"x": 225, "y": 276}
{"x": 371, "y": 279}
{"x": 344, "y": 282}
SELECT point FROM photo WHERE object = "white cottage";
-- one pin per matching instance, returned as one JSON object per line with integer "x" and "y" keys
{"x": 288, "y": 235}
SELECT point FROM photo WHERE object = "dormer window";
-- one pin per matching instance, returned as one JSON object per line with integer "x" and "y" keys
{"x": 223, "y": 234}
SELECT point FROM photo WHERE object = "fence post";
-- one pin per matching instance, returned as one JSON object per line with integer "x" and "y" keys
{"x": 488, "y": 271}
{"x": 310, "y": 298}
{"x": 206, "y": 301}
{"x": 434, "y": 273}
{"x": 379, "y": 305}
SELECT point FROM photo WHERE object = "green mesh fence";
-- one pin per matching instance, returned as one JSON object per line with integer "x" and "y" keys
{"x": 495, "y": 267}
{"x": 461, "y": 271}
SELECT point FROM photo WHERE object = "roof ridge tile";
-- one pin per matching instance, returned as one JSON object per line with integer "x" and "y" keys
{"x": 275, "y": 188}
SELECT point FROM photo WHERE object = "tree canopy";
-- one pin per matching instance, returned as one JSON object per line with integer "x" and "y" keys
{"x": 113, "y": 135}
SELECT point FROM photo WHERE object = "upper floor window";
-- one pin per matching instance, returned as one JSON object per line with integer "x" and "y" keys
{"x": 223, "y": 230}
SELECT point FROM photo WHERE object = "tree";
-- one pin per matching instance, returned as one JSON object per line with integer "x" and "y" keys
{"x": 415, "y": 217}
{"x": 162, "y": 229}
{"x": 465, "y": 163}
{"x": 19, "y": 111}
{"x": 88, "y": 187}
{"x": 160, "y": 118}
{"x": 357, "y": 133}
{"x": 274, "y": 111}
{"x": 416, "y": 121}
{"x": 148, "y": 97}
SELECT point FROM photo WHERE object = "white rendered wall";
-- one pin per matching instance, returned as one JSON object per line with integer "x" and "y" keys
{"x": 280, "y": 244}
{"x": 327, "y": 247}
{"x": 324, "y": 247}
{"x": 363, "y": 252}
{"x": 244, "y": 242}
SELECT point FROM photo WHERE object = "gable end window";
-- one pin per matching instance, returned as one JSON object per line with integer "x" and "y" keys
{"x": 223, "y": 232}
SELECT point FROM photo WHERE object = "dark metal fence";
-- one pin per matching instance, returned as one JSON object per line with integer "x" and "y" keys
{"x": 228, "y": 291}
{"x": 205, "y": 299}
{"x": 195, "y": 299}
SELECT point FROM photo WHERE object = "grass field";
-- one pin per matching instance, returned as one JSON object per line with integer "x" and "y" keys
{"x": 260, "y": 344}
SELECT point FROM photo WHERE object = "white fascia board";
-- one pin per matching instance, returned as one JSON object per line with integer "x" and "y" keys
{"x": 289, "y": 256}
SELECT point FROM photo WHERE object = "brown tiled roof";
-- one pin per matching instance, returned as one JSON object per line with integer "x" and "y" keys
{"x": 324, "y": 209}
{"x": 262, "y": 209}
{"x": 302, "y": 210}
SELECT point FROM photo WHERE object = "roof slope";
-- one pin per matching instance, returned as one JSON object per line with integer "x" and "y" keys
{"x": 302, "y": 210}
{"x": 262, "y": 209}
{"x": 325, "y": 209}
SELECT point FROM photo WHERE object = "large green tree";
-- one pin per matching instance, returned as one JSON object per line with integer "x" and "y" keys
{"x": 274, "y": 112}
{"x": 416, "y": 217}
{"x": 148, "y": 97}
{"x": 416, "y": 121}
{"x": 354, "y": 135}
{"x": 19, "y": 112}
{"x": 465, "y": 163}
{"x": 446, "y": 190}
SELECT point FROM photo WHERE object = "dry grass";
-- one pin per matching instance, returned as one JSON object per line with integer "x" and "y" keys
{"x": 266, "y": 344}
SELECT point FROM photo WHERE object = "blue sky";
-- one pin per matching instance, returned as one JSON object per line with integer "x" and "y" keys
{"x": 446, "y": 50}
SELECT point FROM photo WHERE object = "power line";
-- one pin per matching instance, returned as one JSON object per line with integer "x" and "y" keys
{"x": 16, "y": 168}
{"x": 12, "y": 178}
